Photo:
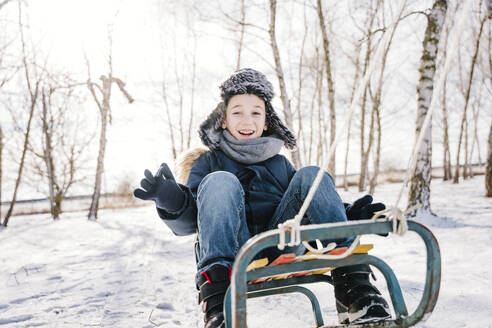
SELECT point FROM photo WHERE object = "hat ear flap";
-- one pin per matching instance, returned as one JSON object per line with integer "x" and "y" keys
{"x": 211, "y": 128}
{"x": 276, "y": 127}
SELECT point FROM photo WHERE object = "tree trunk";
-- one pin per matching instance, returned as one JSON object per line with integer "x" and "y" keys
{"x": 446, "y": 155}
{"x": 104, "y": 111}
{"x": 321, "y": 119}
{"x": 347, "y": 147}
{"x": 377, "y": 157}
{"x": 467, "y": 99}
{"x": 1, "y": 169}
{"x": 192, "y": 105}
{"x": 466, "y": 174}
{"x": 181, "y": 98}
{"x": 475, "y": 140}
{"x": 365, "y": 155}
{"x": 363, "y": 151}
{"x": 488, "y": 161}
{"x": 48, "y": 159}
{"x": 419, "y": 193}
{"x": 33, "y": 97}
{"x": 280, "y": 75}
{"x": 96, "y": 194}
{"x": 363, "y": 162}
{"x": 446, "y": 161}
{"x": 169, "y": 120}
{"x": 299, "y": 89}
{"x": 316, "y": 91}
{"x": 376, "y": 113}
{"x": 23, "y": 157}
{"x": 345, "y": 181}
{"x": 488, "y": 168}
{"x": 241, "y": 35}
{"x": 331, "y": 86}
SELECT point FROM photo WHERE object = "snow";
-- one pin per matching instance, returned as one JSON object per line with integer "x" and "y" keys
{"x": 128, "y": 270}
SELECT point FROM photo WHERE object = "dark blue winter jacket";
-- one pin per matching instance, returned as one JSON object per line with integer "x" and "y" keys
{"x": 264, "y": 184}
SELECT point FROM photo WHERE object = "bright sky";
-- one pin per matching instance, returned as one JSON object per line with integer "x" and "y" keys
{"x": 138, "y": 137}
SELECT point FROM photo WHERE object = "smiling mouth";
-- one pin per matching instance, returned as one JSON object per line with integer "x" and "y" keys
{"x": 246, "y": 132}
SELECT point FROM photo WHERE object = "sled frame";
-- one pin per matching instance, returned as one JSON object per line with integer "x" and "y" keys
{"x": 235, "y": 300}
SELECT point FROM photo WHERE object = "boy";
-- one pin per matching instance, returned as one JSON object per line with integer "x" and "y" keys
{"x": 242, "y": 186}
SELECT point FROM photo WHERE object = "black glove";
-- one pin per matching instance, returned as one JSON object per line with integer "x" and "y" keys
{"x": 162, "y": 189}
{"x": 363, "y": 209}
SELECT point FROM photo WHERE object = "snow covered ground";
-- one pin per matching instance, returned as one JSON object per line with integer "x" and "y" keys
{"x": 128, "y": 270}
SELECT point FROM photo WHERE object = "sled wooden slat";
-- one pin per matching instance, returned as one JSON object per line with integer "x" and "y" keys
{"x": 256, "y": 264}
{"x": 290, "y": 257}
{"x": 360, "y": 249}
{"x": 282, "y": 259}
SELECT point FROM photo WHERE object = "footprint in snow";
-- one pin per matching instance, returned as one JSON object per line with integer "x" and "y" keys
{"x": 165, "y": 307}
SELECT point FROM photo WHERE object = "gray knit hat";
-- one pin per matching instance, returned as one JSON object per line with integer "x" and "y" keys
{"x": 245, "y": 81}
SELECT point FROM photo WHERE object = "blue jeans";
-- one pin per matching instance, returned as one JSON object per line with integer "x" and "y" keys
{"x": 222, "y": 226}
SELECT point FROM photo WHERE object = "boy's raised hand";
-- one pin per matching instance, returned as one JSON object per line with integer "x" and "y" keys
{"x": 162, "y": 189}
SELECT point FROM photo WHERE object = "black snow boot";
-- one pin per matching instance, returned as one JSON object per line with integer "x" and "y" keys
{"x": 358, "y": 301}
{"x": 213, "y": 285}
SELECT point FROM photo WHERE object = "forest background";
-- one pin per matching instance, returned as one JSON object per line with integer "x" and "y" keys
{"x": 93, "y": 93}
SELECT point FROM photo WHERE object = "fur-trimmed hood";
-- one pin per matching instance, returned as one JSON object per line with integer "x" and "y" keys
{"x": 245, "y": 81}
{"x": 184, "y": 162}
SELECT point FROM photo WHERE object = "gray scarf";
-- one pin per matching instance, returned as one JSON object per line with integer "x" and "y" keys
{"x": 249, "y": 151}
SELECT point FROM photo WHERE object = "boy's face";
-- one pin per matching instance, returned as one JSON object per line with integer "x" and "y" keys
{"x": 245, "y": 117}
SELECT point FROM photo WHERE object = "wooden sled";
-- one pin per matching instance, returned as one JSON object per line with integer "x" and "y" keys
{"x": 250, "y": 279}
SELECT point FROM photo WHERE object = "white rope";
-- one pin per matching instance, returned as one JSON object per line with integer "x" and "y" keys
{"x": 294, "y": 224}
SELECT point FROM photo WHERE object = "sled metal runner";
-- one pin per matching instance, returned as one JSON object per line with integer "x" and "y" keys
{"x": 239, "y": 290}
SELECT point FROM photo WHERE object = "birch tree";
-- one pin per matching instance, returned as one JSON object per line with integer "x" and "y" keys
{"x": 446, "y": 160}
{"x": 4, "y": 78}
{"x": 300, "y": 84}
{"x": 33, "y": 76}
{"x": 1, "y": 169}
{"x": 101, "y": 94}
{"x": 467, "y": 98}
{"x": 419, "y": 193}
{"x": 488, "y": 165}
{"x": 376, "y": 109}
{"x": 330, "y": 83}
{"x": 242, "y": 30}
{"x": 357, "y": 72}
{"x": 281, "y": 79}
{"x": 366, "y": 149}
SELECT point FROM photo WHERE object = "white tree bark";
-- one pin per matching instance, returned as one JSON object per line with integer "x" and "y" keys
{"x": 48, "y": 156}
{"x": 289, "y": 121}
{"x": 488, "y": 168}
{"x": 467, "y": 100}
{"x": 419, "y": 193}
{"x": 242, "y": 31}
{"x": 488, "y": 161}
{"x": 32, "y": 85}
{"x": 1, "y": 167}
{"x": 331, "y": 85}
{"x": 104, "y": 107}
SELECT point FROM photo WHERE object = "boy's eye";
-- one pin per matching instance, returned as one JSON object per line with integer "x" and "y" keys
{"x": 256, "y": 113}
